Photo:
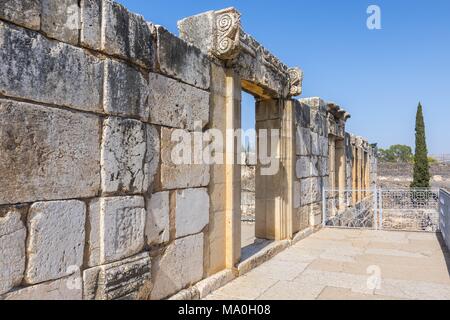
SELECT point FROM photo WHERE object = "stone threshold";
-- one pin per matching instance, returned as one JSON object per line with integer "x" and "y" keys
{"x": 220, "y": 279}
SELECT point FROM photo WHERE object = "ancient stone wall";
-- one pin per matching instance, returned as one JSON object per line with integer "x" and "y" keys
{"x": 400, "y": 175}
{"x": 90, "y": 94}
{"x": 92, "y": 203}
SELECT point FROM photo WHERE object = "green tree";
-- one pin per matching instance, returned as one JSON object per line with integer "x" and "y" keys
{"x": 397, "y": 153}
{"x": 421, "y": 165}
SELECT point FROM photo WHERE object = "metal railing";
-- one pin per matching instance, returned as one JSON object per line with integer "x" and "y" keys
{"x": 400, "y": 210}
{"x": 444, "y": 215}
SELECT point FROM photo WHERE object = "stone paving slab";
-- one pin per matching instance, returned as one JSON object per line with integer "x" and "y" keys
{"x": 345, "y": 264}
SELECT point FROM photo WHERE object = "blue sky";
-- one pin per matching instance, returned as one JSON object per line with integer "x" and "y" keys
{"x": 379, "y": 76}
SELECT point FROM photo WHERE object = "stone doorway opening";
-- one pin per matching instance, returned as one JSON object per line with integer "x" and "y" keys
{"x": 252, "y": 239}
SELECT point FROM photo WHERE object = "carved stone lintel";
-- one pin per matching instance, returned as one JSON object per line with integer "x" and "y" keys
{"x": 227, "y": 34}
{"x": 296, "y": 80}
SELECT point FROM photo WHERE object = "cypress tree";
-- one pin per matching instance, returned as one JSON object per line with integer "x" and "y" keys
{"x": 421, "y": 166}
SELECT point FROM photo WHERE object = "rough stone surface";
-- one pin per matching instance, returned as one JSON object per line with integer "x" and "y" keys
{"x": 175, "y": 104}
{"x": 310, "y": 191}
{"x": 116, "y": 229}
{"x": 60, "y": 20}
{"x": 126, "y": 91}
{"x": 179, "y": 176}
{"x": 12, "y": 250}
{"x": 307, "y": 167}
{"x": 126, "y": 34}
{"x": 35, "y": 68}
{"x": 91, "y": 23}
{"x": 56, "y": 242}
{"x": 180, "y": 60}
{"x": 303, "y": 142}
{"x": 126, "y": 279}
{"x": 26, "y": 13}
{"x": 130, "y": 156}
{"x": 47, "y": 154}
{"x": 191, "y": 211}
{"x": 157, "y": 228}
{"x": 180, "y": 266}
{"x": 68, "y": 288}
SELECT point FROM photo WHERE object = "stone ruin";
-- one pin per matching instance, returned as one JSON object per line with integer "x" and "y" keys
{"x": 92, "y": 205}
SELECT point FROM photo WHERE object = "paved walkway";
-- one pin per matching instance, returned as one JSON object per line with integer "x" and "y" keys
{"x": 346, "y": 264}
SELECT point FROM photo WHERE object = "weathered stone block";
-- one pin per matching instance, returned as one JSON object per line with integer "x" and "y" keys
{"x": 46, "y": 71}
{"x": 323, "y": 146}
{"x": 297, "y": 192}
{"x": 68, "y": 288}
{"x": 12, "y": 250}
{"x": 315, "y": 144}
{"x": 126, "y": 35}
{"x": 180, "y": 266}
{"x": 303, "y": 141}
{"x": 126, "y": 279}
{"x": 91, "y": 24}
{"x": 178, "y": 59}
{"x": 175, "y": 104}
{"x": 323, "y": 166}
{"x": 130, "y": 155}
{"x": 302, "y": 115}
{"x": 307, "y": 167}
{"x": 44, "y": 158}
{"x": 116, "y": 229}
{"x": 310, "y": 191}
{"x": 26, "y": 13}
{"x": 179, "y": 176}
{"x": 56, "y": 242}
{"x": 157, "y": 228}
{"x": 191, "y": 211}
{"x": 61, "y": 20}
{"x": 126, "y": 91}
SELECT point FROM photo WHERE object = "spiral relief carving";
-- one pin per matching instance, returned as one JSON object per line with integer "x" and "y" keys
{"x": 227, "y": 37}
{"x": 296, "y": 79}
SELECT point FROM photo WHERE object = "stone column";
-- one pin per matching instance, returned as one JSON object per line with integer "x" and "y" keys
{"x": 233, "y": 171}
{"x": 340, "y": 169}
{"x": 354, "y": 174}
{"x": 332, "y": 173}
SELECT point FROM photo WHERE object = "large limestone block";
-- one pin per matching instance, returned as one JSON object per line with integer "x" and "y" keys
{"x": 184, "y": 176}
{"x": 310, "y": 190}
{"x": 323, "y": 146}
{"x": 191, "y": 211}
{"x": 180, "y": 266}
{"x": 26, "y": 13}
{"x": 126, "y": 91}
{"x": 177, "y": 105}
{"x": 303, "y": 141}
{"x": 55, "y": 246}
{"x": 178, "y": 59}
{"x": 91, "y": 24}
{"x": 69, "y": 288}
{"x": 130, "y": 156}
{"x": 47, "y": 153}
{"x": 315, "y": 144}
{"x": 38, "y": 69}
{"x": 157, "y": 227}
{"x": 302, "y": 114}
{"x": 126, "y": 35}
{"x": 12, "y": 250}
{"x": 116, "y": 229}
{"x": 176, "y": 174}
{"x": 307, "y": 167}
{"x": 60, "y": 19}
{"x": 126, "y": 279}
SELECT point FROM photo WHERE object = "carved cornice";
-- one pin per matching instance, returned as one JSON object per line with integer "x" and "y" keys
{"x": 227, "y": 34}
{"x": 296, "y": 80}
